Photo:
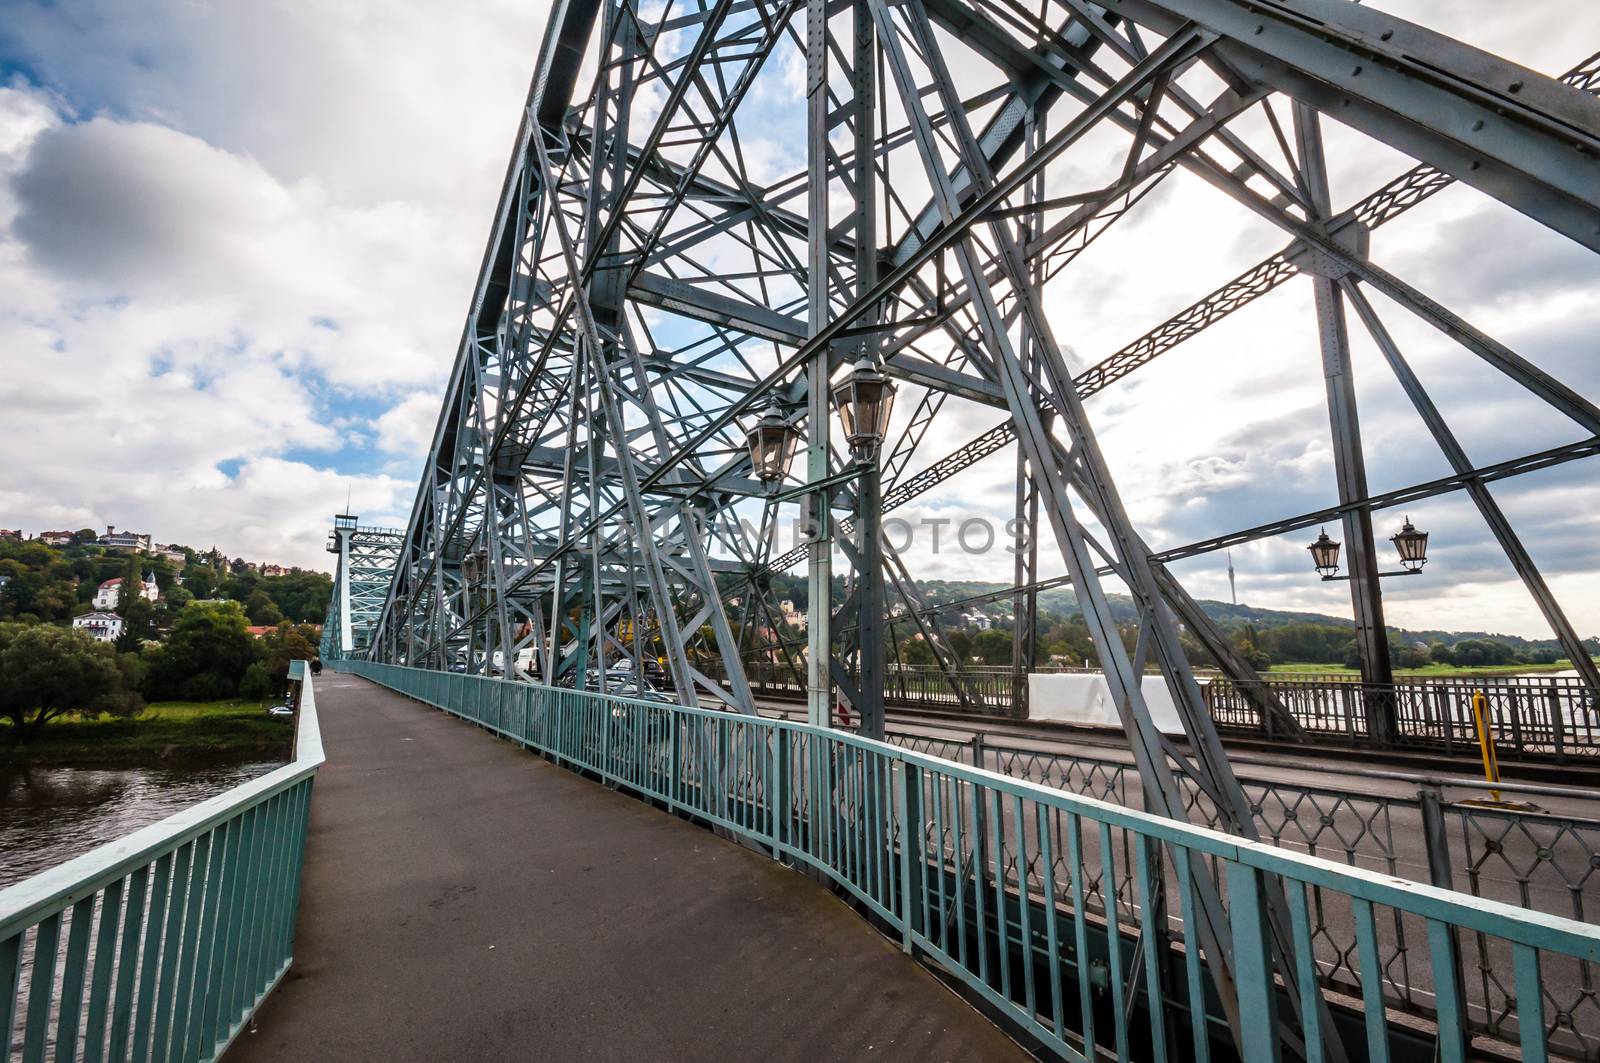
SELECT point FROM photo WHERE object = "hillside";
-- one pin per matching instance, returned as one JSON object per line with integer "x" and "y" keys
{"x": 52, "y": 584}
{"x": 1064, "y": 602}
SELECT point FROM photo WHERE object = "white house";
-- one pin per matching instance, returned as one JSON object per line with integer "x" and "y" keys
{"x": 109, "y": 593}
{"x": 104, "y": 627}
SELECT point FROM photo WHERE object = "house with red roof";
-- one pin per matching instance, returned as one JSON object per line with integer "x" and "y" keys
{"x": 109, "y": 593}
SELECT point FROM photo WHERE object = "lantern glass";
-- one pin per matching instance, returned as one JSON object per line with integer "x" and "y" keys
{"x": 864, "y": 400}
{"x": 772, "y": 445}
{"x": 1412, "y": 546}
{"x": 1325, "y": 554}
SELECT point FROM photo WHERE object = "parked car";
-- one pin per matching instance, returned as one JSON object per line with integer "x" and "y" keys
{"x": 638, "y": 692}
{"x": 284, "y": 708}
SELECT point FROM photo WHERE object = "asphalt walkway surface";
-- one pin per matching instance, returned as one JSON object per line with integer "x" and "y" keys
{"x": 464, "y": 899}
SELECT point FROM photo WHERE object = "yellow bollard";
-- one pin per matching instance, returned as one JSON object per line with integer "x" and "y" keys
{"x": 1491, "y": 764}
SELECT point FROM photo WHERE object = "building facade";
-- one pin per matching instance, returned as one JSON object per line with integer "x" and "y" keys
{"x": 124, "y": 540}
{"x": 109, "y": 594}
{"x": 102, "y": 627}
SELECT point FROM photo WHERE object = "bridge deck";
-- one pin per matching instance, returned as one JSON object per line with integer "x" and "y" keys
{"x": 464, "y": 899}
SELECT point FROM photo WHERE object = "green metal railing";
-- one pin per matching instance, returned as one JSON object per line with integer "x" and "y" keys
{"x": 161, "y": 945}
{"x": 1440, "y": 833}
{"x": 996, "y": 880}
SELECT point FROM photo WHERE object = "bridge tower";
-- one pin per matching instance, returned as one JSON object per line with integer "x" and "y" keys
{"x": 362, "y": 576}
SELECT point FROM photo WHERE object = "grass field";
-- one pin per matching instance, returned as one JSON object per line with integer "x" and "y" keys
{"x": 167, "y": 730}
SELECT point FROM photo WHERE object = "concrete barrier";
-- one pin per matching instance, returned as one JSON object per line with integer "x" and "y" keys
{"x": 1085, "y": 699}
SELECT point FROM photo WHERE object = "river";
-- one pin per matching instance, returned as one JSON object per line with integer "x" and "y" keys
{"x": 51, "y": 814}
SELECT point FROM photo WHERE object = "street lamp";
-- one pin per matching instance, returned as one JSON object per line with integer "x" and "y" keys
{"x": 772, "y": 445}
{"x": 1412, "y": 546}
{"x": 1325, "y": 555}
{"x": 864, "y": 400}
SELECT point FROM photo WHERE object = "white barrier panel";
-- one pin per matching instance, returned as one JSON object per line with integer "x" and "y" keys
{"x": 1085, "y": 699}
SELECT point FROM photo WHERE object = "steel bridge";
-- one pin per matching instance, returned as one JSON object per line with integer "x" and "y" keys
{"x": 658, "y": 324}
{"x": 362, "y": 577}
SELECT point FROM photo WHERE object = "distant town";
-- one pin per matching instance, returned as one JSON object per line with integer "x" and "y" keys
{"x": 140, "y": 543}
{"x": 150, "y": 622}
{"x": 99, "y": 605}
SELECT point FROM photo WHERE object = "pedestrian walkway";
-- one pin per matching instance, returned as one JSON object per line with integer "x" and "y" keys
{"x": 464, "y": 899}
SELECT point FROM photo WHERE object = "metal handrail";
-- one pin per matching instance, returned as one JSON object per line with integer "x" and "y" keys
{"x": 168, "y": 939}
{"x": 915, "y": 837}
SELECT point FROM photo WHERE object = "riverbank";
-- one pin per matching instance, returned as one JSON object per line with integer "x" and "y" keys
{"x": 1432, "y": 670}
{"x": 166, "y": 732}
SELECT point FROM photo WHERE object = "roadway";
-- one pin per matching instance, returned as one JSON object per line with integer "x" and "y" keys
{"x": 465, "y": 899}
{"x": 1335, "y": 770}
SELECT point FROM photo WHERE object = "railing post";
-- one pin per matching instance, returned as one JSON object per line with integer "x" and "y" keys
{"x": 1516, "y": 720}
{"x": 675, "y": 773}
{"x": 780, "y": 788}
{"x": 1252, "y": 964}
{"x": 1436, "y": 839}
{"x": 909, "y": 780}
{"x": 1447, "y": 715}
{"x": 1557, "y": 724}
{"x": 977, "y": 750}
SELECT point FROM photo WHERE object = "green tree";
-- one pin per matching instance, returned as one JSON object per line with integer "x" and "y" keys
{"x": 994, "y": 647}
{"x": 172, "y": 604}
{"x": 257, "y": 682}
{"x": 261, "y": 609}
{"x": 917, "y": 651}
{"x": 278, "y": 648}
{"x": 301, "y": 596}
{"x": 138, "y": 624}
{"x": 39, "y": 582}
{"x": 132, "y": 588}
{"x": 205, "y": 655}
{"x": 200, "y": 580}
{"x": 48, "y": 672}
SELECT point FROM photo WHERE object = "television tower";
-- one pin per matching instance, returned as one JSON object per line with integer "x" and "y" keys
{"x": 1233, "y": 589}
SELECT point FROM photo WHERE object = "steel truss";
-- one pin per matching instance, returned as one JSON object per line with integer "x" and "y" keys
{"x": 588, "y": 501}
{"x": 361, "y": 582}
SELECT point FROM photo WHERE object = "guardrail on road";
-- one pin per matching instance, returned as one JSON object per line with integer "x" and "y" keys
{"x": 973, "y": 869}
{"x": 162, "y": 944}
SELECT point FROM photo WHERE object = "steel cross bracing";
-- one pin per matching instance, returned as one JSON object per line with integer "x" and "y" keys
{"x": 364, "y": 572}
{"x": 653, "y": 281}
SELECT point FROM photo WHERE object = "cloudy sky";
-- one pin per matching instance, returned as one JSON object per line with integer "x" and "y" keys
{"x": 237, "y": 241}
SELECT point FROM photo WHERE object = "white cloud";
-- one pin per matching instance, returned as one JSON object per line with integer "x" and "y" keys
{"x": 236, "y": 242}
{"x": 235, "y": 246}
{"x": 407, "y": 428}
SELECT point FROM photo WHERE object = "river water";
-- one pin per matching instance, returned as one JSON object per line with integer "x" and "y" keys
{"x": 52, "y": 814}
